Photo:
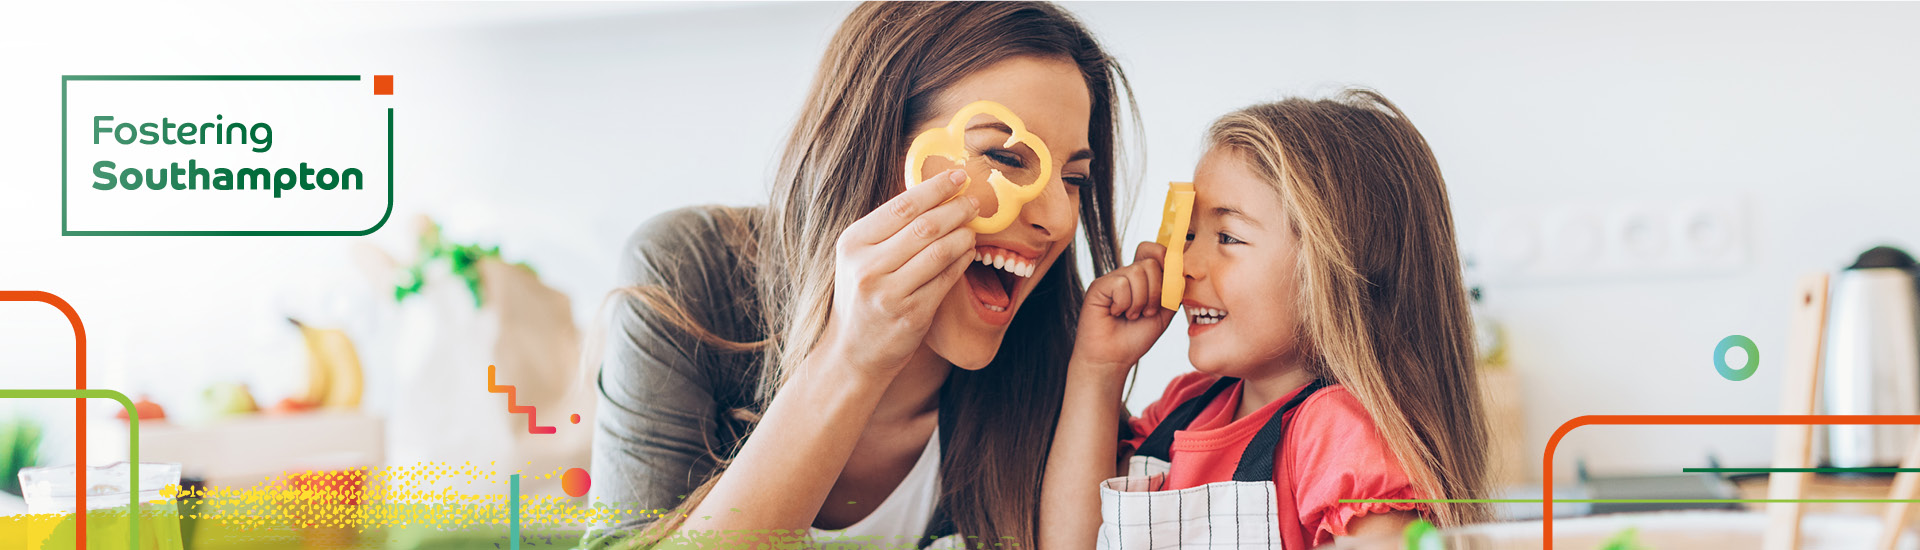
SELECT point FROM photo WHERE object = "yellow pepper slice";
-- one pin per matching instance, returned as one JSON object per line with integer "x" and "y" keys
{"x": 950, "y": 142}
{"x": 1174, "y": 219}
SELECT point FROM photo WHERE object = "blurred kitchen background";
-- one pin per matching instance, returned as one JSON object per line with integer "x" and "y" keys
{"x": 1632, "y": 182}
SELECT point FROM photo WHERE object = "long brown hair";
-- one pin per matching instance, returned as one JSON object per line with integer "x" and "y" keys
{"x": 883, "y": 70}
{"x": 1381, "y": 295}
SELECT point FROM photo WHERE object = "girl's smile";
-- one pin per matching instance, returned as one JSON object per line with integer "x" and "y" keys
{"x": 1200, "y": 317}
{"x": 1242, "y": 250}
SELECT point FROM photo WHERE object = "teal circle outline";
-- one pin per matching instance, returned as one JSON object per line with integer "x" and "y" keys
{"x": 1720, "y": 358}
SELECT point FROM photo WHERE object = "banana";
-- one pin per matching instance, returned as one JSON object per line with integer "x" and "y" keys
{"x": 333, "y": 369}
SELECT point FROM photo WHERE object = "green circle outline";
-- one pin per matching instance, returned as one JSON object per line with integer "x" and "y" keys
{"x": 1720, "y": 358}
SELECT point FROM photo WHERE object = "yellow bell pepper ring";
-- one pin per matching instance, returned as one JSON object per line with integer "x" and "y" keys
{"x": 950, "y": 142}
{"x": 1174, "y": 220}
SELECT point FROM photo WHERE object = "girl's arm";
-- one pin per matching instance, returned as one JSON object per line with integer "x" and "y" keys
{"x": 893, "y": 268}
{"x": 1385, "y": 531}
{"x": 1085, "y": 452}
{"x": 1120, "y": 319}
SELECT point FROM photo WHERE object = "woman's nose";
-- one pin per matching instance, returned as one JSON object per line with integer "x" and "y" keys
{"x": 1053, "y": 212}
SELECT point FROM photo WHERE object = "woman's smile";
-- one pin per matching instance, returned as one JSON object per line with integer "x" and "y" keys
{"x": 997, "y": 276}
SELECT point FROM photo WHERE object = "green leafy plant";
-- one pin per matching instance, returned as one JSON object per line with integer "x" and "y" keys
{"x": 1421, "y": 535}
{"x": 19, "y": 450}
{"x": 462, "y": 259}
{"x": 1627, "y": 539}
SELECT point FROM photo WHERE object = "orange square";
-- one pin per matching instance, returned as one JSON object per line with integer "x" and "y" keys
{"x": 383, "y": 84}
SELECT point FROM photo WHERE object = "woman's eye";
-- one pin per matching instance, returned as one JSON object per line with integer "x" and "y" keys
{"x": 1228, "y": 239}
{"x": 1006, "y": 158}
{"x": 1078, "y": 181}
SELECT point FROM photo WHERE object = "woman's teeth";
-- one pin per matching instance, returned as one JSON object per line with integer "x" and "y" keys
{"x": 1005, "y": 262}
{"x": 994, "y": 308}
{"x": 1205, "y": 315}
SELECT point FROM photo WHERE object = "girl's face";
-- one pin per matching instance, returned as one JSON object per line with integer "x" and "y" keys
{"x": 1052, "y": 99}
{"x": 1242, "y": 289}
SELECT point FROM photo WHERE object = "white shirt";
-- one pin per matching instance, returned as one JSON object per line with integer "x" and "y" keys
{"x": 902, "y": 518}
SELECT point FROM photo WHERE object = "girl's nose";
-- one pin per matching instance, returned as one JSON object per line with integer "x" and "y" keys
{"x": 1194, "y": 261}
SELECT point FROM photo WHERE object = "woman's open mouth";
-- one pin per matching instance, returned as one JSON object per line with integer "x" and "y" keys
{"x": 994, "y": 279}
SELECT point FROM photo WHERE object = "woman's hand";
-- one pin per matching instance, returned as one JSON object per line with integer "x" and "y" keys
{"x": 893, "y": 268}
{"x": 1121, "y": 317}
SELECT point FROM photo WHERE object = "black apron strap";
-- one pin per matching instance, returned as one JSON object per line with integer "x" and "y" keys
{"x": 1159, "y": 444}
{"x": 1256, "y": 462}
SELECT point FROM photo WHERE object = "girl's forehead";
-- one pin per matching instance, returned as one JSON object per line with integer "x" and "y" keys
{"x": 1225, "y": 178}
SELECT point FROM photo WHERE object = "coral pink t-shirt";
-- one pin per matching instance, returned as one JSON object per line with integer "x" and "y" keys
{"x": 1331, "y": 452}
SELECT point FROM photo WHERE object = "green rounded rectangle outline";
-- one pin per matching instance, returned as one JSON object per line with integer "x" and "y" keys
{"x": 133, "y": 452}
{"x": 64, "y": 79}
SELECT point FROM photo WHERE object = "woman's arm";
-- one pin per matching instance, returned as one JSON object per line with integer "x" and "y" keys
{"x": 662, "y": 391}
{"x": 893, "y": 268}
{"x": 1119, "y": 321}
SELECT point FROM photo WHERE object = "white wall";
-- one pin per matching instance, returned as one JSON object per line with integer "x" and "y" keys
{"x": 553, "y": 130}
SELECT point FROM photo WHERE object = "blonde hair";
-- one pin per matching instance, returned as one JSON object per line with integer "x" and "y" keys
{"x": 1381, "y": 298}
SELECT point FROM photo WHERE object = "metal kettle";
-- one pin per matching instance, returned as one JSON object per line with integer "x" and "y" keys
{"x": 1872, "y": 358}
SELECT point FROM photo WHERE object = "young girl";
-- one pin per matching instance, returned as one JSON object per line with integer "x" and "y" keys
{"x": 1330, "y": 331}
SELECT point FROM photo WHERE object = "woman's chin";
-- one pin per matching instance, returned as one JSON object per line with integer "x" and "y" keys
{"x": 969, "y": 359}
{"x": 970, "y": 353}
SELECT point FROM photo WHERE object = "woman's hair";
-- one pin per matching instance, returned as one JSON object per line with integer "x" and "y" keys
{"x": 882, "y": 74}
{"x": 1380, "y": 293}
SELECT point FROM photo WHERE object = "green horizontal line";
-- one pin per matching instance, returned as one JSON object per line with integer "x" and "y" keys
{"x": 1627, "y": 500}
{"x": 1810, "y": 470}
{"x": 211, "y": 77}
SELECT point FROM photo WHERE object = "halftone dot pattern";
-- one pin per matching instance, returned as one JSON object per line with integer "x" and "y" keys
{"x": 359, "y": 499}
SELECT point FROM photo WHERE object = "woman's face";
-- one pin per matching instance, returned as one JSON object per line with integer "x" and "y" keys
{"x": 1241, "y": 269}
{"x": 1052, "y": 99}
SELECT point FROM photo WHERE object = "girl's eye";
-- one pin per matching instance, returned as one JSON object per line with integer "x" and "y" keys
{"x": 1228, "y": 239}
{"x": 1078, "y": 181}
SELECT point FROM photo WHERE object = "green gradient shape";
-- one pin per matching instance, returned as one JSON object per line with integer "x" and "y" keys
{"x": 1720, "y": 358}
{"x": 513, "y": 516}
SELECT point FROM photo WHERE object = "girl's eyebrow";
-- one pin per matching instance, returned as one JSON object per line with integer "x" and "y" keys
{"x": 1224, "y": 211}
{"x": 995, "y": 125}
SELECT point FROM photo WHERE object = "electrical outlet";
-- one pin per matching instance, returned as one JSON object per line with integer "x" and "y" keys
{"x": 1611, "y": 240}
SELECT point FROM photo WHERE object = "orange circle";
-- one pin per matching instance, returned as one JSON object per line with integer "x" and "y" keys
{"x": 575, "y": 418}
{"x": 575, "y": 482}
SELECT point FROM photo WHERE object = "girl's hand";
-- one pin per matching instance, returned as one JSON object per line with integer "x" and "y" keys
{"x": 1121, "y": 317}
{"x": 892, "y": 269}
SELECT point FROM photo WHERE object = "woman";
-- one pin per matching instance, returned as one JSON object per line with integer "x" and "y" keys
{"x": 893, "y": 383}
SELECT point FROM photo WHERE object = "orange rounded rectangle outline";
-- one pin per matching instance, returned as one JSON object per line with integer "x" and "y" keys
{"x": 79, "y": 405}
{"x": 1546, "y": 467}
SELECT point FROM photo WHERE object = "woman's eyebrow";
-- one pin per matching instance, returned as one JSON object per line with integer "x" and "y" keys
{"x": 1002, "y": 127}
{"x": 992, "y": 125}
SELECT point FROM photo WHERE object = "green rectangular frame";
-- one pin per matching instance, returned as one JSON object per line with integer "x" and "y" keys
{"x": 64, "y": 79}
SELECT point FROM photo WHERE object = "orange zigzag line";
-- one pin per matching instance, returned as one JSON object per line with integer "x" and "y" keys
{"x": 532, "y": 427}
